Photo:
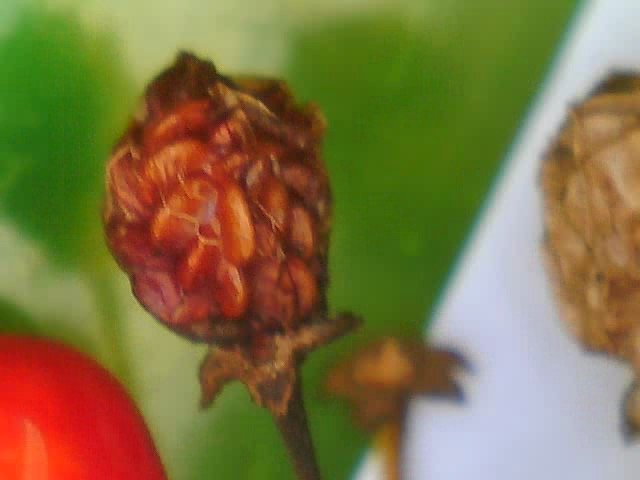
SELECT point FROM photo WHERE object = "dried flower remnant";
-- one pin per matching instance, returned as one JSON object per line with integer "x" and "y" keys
{"x": 591, "y": 186}
{"x": 219, "y": 210}
{"x": 379, "y": 381}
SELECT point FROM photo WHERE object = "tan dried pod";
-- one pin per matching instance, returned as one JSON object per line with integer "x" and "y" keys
{"x": 591, "y": 185}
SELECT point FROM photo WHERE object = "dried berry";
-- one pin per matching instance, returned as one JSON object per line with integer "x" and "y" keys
{"x": 218, "y": 208}
{"x": 218, "y": 204}
{"x": 591, "y": 184}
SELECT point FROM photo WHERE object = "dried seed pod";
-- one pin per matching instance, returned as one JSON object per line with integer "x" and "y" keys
{"x": 218, "y": 205}
{"x": 591, "y": 185}
{"x": 218, "y": 208}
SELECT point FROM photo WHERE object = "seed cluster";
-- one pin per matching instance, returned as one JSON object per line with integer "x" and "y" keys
{"x": 218, "y": 204}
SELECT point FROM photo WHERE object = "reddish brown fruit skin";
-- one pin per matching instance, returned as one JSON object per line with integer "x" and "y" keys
{"x": 218, "y": 204}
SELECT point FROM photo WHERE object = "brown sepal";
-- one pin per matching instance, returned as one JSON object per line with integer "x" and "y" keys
{"x": 271, "y": 372}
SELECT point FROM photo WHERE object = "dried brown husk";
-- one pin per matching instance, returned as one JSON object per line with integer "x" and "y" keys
{"x": 591, "y": 186}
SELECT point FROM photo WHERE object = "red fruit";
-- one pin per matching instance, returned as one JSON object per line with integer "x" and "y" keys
{"x": 218, "y": 205}
{"x": 63, "y": 417}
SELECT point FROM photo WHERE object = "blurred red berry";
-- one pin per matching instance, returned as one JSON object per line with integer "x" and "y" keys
{"x": 63, "y": 417}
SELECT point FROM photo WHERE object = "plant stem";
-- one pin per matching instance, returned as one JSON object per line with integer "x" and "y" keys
{"x": 295, "y": 433}
{"x": 389, "y": 443}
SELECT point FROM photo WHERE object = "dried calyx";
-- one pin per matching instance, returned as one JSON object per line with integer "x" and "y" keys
{"x": 219, "y": 210}
{"x": 591, "y": 186}
{"x": 382, "y": 377}
{"x": 380, "y": 380}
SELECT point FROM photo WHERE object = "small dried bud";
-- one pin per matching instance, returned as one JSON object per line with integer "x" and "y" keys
{"x": 591, "y": 184}
{"x": 218, "y": 205}
{"x": 381, "y": 378}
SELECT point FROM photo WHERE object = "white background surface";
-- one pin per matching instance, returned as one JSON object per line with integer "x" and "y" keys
{"x": 538, "y": 406}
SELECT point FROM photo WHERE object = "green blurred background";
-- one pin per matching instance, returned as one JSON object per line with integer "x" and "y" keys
{"x": 423, "y": 98}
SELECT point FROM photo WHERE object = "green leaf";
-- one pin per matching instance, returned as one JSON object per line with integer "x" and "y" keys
{"x": 14, "y": 320}
{"x": 63, "y": 96}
